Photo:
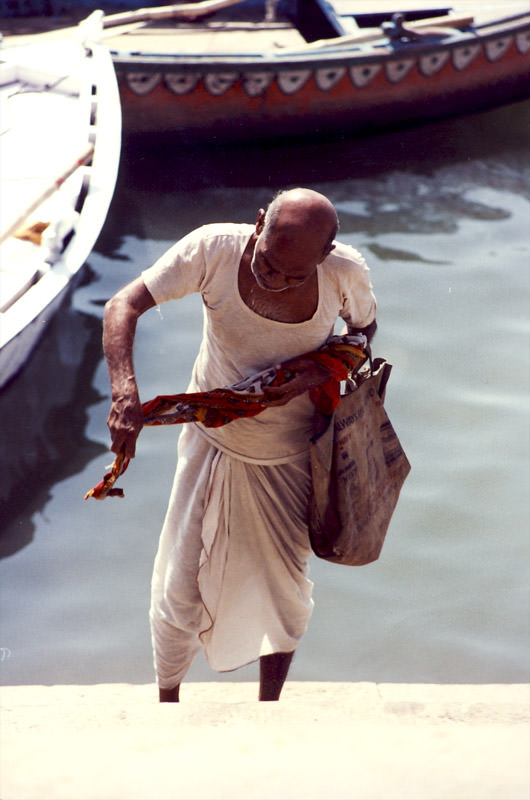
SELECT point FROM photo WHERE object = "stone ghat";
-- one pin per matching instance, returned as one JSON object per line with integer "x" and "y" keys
{"x": 322, "y": 741}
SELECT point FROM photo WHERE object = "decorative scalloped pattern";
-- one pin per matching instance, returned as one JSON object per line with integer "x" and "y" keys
{"x": 395, "y": 71}
{"x": 433, "y": 63}
{"x": 326, "y": 79}
{"x": 522, "y": 42}
{"x": 463, "y": 56}
{"x": 291, "y": 80}
{"x": 181, "y": 82}
{"x": 256, "y": 83}
{"x": 362, "y": 76}
{"x": 496, "y": 48}
{"x": 142, "y": 82}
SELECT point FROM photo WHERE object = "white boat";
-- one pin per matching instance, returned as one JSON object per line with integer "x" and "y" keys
{"x": 60, "y": 139}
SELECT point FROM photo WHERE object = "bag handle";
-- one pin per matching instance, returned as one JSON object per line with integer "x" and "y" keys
{"x": 377, "y": 365}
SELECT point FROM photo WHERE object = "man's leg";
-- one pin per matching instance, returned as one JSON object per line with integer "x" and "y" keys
{"x": 176, "y": 607}
{"x": 273, "y": 671}
{"x": 169, "y": 695}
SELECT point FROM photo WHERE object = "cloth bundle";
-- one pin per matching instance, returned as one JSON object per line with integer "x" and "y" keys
{"x": 341, "y": 357}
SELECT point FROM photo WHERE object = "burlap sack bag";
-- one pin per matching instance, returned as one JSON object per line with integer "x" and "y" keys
{"x": 358, "y": 468}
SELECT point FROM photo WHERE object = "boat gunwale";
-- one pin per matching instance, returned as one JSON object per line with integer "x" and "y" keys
{"x": 153, "y": 62}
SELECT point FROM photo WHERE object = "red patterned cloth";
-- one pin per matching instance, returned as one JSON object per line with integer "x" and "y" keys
{"x": 341, "y": 357}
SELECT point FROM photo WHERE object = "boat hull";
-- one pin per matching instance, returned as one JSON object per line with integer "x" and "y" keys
{"x": 304, "y": 96}
{"x": 19, "y": 347}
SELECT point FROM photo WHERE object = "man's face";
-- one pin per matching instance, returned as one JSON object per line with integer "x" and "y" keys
{"x": 282, "y": 261}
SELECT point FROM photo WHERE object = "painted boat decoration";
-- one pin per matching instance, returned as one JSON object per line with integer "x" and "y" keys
{"x": 59, "y": 153}
{"x": 313, "y": 68}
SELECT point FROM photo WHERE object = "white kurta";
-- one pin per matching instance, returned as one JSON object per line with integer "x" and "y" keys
{"x": 231, "y": 570}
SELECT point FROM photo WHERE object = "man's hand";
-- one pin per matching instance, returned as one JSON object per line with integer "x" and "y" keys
{"x": 307, "y": 374}
{"x": 125, "y": 423}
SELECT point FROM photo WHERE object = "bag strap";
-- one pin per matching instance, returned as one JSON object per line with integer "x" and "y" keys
{"x": 368, "y": 351}
{"x": 385, "y": 368}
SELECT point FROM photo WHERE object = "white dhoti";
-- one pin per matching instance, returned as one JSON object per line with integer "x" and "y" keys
{"x": 231, "y": 570}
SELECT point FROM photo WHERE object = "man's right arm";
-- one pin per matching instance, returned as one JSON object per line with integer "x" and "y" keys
{"x": 119, "y": 327}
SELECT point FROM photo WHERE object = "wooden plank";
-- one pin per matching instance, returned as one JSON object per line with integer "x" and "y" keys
{"x": 205, "y": 39}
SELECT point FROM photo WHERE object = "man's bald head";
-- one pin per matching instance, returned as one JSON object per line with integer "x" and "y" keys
{"x": 295, "y": 212}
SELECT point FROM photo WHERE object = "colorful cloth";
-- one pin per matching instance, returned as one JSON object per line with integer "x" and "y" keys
{"x": 341, "y": 357}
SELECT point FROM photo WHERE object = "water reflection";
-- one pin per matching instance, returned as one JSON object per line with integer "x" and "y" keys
{"x": 43, "y": 415}
{"x": 161, "y": 165}
{"x": 393, "y": 254}
{"x": 409, "y": 181}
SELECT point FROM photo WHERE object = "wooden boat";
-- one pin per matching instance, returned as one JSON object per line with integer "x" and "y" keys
{"x": 59, "y": 153}
{"x": 316, "y": 66}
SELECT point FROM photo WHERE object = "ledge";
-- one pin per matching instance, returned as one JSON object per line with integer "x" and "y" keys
{"x": 322, "y": 741}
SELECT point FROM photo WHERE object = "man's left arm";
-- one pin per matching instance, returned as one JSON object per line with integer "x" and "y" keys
{"x": 369, "y": 331}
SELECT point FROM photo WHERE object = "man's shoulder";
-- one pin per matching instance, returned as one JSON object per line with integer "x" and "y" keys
{"x": 345, "y": 257}
{"x": 219, "y": 231}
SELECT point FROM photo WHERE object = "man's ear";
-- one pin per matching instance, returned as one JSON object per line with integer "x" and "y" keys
{"x": 260, "y": 221}
{"x": 327, "y": 251}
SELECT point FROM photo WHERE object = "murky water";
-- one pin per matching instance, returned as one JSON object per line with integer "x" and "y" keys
{"x": 442, "y": 215}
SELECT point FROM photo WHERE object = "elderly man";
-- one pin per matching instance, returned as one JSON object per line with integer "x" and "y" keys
{"x": 231, "y": 572}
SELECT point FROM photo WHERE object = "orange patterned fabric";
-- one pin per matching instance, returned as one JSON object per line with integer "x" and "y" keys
{"x": 340, "y": 357}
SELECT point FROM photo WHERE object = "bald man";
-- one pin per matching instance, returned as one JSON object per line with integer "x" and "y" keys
{"x": 231, "y": 571}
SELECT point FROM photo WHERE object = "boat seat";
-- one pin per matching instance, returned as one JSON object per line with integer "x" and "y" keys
{"x": 203, "y": 39}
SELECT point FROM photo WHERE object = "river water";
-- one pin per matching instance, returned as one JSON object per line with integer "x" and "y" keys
{"x": 441, "y": 213}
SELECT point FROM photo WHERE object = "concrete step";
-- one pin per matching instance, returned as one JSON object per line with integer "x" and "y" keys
{"x": 322, "y": 741}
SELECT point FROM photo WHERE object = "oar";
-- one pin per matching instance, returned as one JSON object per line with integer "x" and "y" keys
{"x": 447, "y": 21}
{"x": 189, "y": 10}
{"x": 135, "y": 18}
{"x": 13, "y": 227}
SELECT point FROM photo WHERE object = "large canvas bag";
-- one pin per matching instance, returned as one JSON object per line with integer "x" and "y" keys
{"x": 358, "y": 468}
